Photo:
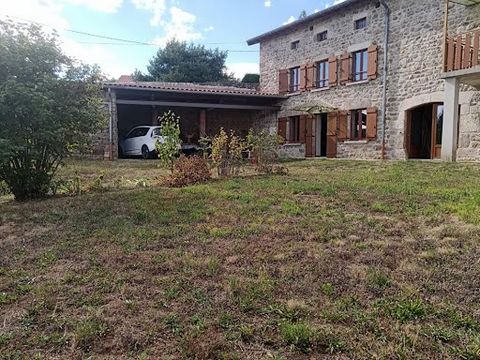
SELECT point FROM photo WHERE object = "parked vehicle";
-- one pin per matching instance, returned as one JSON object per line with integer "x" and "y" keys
{"x": 140, "y": 141}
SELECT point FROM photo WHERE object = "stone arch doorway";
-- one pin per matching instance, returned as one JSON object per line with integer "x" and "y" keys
{"x": 423, "y": 135}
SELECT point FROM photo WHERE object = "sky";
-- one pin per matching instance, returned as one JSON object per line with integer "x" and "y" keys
{"x": 225, "y": 24}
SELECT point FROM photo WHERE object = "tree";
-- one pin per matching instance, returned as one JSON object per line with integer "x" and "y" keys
{"x": 48, "y": 107}
{"x": 251, "y": 79}
{"x": 182, "y": 62}
{"x": 303, "y": 14}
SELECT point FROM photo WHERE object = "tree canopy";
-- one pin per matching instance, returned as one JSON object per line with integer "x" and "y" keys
{"x": 182, "y": 62}
{"x": 48, "y": 107}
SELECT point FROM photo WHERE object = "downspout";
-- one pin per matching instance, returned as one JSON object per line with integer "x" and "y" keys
{"x": 110, "y": 126}
{"x": 385, "y": 71}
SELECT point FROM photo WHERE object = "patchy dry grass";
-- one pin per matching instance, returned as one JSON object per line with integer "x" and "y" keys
{"x": 338, "y": 259}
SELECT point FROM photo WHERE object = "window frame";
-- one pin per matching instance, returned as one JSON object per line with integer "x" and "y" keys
{"x": 361, "y": 23}
{"x": 294, "y": 74}
{"x": 294, "y": 45}
{"x": 321, "y": 83}
{"x": 293, "y": 130}
{"x": 357, "y": 118}
{"x": 362, "y": 74}
{"x": 321, "y": 38}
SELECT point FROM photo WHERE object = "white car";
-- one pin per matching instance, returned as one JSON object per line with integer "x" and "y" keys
{"x": 140, "y": 141}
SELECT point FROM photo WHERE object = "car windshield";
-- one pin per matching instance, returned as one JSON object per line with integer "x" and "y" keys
{"x": 138, "y": 132}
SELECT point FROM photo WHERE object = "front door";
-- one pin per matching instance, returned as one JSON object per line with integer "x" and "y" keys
{"x": 424, "y": 130}
{"x": 332, "y": 134}
{"x": 310, "y": 135}
{"x": 321, "y": 135}
{"x": 437, "y": 132}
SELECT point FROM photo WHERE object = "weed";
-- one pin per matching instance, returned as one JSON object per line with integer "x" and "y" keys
{"x": 88, "y": 331}
{"x": 327, "y": 289}
{"x": 300, "y": 335}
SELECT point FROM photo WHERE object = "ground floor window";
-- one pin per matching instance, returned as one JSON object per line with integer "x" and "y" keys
{"x": 358, "y": 125}
{"x": 294, "y": 129}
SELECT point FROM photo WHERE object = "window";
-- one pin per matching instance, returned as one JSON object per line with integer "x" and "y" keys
{"x": 322, "y": 74}
{"x": 138, "y": 132}
{"x": 294, "y": 45}
{"x": 361, "y": 23}
{"x": 358, "y": 125}
{"x": 322, "y": 36}
{"x": 360, "y": 65}
{"x": 294, "y": 129}
{"x": 156, "y": 132}
{"x": 294, "y": 79}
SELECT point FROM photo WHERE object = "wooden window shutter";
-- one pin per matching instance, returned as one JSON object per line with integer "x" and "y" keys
{"x": 282, "y": 128}
{"x": 372, "y": 115}
{"x": 303, "y": 77}
{"x": 332, "y": 71}
{"x": 302, "y": 128}
{"x": 372, "y": 62}
{"x": 346, "y": 68}
{"x": 332, "y": 134}
{"x": 311, "y": 76}
{"x": 283, "y": 82}
{"x": 342, "y": 126}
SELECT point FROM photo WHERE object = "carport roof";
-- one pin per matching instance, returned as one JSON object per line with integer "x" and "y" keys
{"x": 190, "y": 88}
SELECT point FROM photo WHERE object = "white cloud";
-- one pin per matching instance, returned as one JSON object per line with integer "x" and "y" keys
{"x": 157, "y": 7}
{"x": 209, "y": 28}
{"x": 180, "y": 27}
{"x": 290, "y": 20}
{"x": 107, "y": 6}
{"x": 240, "y": 69}
{"x": 268, "y": 3}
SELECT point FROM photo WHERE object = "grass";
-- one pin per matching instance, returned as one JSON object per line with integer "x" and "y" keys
{"x": 337, "y": 259}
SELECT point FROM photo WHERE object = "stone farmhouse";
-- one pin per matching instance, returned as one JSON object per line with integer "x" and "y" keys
{"x": 364, "y": 79}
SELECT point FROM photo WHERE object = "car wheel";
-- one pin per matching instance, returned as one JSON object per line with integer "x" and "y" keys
{"x": 145, "y": 152}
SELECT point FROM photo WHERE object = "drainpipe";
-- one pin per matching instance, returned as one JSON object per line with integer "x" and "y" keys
{"x": 385, "y": 70}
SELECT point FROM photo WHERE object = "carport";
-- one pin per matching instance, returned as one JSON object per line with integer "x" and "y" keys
{"x": 203, "y": 109}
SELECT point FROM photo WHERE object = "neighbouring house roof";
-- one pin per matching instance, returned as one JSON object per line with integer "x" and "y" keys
{"x": 341, "y": 6}
{"x": 190, "y": 88}
{"x": 125, "y": 78}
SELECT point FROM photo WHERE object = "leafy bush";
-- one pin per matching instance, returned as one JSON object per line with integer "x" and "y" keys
{"x": 169, "y": 149}
{"x": 189, "y": 171}
{"x": 48, "y": 107}
{"x": 227, "y": 153}
{"x": 264, "y": 147}
{"x": 4, "y": 188}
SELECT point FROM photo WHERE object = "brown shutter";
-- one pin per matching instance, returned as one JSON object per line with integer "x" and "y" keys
{"x": 372, "y": 62}
{"x": 283, "y": 82}
{"x": 342, "y": 126}
{"x": 310, "y": 76}
{"x": 310, "y": 137}
{"x": 302, "y": 128}
{"x": 282, "y": 128}
{"x": 303, "y": 77}
{"x": 346, "y": 68}
{"x": 332, "y": 71}
{"x": 332, "y": 134}
{"x": 372, "y": 123}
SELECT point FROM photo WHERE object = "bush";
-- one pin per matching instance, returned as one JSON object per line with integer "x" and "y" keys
{"x": 189, "y": 171}
{"x": 4, "y": 188}
{"x": 264, "y": 148}
{"x": 227, "y": 153}
{"x": 169, "y": 148}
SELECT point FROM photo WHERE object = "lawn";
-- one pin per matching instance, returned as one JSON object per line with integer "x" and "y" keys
{"x": 337, "y": 259}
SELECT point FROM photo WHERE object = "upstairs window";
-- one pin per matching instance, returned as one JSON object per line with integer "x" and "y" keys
{"x": 358, "y": 124}
{"x": 294, "y": 129}
{"x": 360, "y": 23}
{"x": 360, "y": 65}
{"x": 322, "y": 74}
{"x": 294, "y": 45}
{"x": 294, "y": 85}
{"x": 322, "y": 36}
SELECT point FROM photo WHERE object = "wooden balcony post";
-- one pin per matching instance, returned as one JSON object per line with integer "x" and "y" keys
{"x": 445, "y": 36}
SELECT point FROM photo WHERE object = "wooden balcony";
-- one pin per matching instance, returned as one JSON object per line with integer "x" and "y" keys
{"x": 462, "y": 51}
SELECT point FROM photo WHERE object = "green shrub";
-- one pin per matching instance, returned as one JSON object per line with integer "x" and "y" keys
{"x": 189, "y": 171}
{"x": 4, "y": 190}
{"x": 169, "y": 149}
{"x": 264, "y": 147}
{"x": 227, "y": 153}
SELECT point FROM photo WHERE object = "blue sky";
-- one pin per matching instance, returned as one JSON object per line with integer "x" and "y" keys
{"x": 226, "y": 24}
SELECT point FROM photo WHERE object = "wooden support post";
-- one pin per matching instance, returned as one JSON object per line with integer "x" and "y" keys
{"x": 203, "y": 123}
{"x": 154, "y": 116}
{"x": 445, "y": 36}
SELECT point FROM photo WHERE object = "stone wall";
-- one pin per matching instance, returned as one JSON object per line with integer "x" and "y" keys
{"x": 415, "y": 67}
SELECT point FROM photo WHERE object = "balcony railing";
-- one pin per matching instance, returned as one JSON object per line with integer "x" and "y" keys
{"x": 462, "y": 51}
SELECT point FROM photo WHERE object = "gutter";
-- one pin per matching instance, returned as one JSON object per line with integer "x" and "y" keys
{"x": 385, "y": 72}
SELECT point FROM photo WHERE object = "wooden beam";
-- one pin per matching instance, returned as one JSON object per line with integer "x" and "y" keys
{"x": 445, "y": 36}
{"x": 196, "y": 105}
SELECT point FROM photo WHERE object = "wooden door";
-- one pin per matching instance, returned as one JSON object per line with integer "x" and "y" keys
{"x": 310, "y": 137}
{"x": 437, "y": 131}
{"x": 408, "y": 134}
{"x": 332, "y": 135}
